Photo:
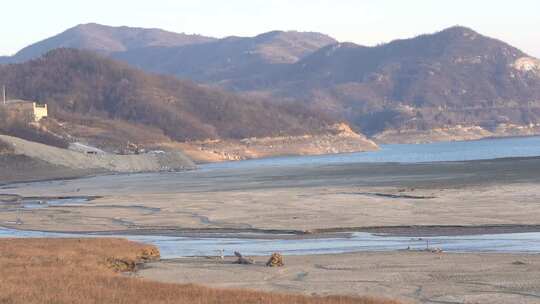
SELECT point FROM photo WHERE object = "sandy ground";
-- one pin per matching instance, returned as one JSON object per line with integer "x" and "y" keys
{"x": 299, "y": 198}
{"x": 409, "y": 276}
{"x": 80, "y": 162}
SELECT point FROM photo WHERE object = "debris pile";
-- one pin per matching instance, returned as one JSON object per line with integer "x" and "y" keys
{"x": 434, "y": 250}
{"x": 276, "y": 260}
{"x": 242, "y": 260}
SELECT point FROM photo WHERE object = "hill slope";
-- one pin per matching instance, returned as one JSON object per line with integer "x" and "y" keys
{"x": 82, "y": 83}
{"x": 111, "y": 103}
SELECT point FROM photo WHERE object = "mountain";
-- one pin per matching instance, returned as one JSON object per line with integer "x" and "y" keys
{"x": 446, "y": 79}
{"x": 106, "y": 40}
{"x": 80, "y": 86}
{"x": 452, "y": 81}
{"x": 228, "y": 61}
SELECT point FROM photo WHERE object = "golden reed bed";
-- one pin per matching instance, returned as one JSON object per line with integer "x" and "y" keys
{"x": 89, "y": 271}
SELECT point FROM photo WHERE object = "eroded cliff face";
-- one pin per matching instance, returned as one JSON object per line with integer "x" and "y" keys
{"x": 527, "y": 64}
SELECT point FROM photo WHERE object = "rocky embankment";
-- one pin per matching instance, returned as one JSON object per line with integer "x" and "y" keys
{"x": 23, "y": 160}
{"x": 339, "y": 139}
{"x": 458, "y": 133}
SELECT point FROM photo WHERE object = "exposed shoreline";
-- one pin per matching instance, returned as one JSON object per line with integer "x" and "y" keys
{"x": 451, "y": 134}
{"x": 20, "y": 168}
{"x": 414, "y": 277}
{"x": 339, "y": 139}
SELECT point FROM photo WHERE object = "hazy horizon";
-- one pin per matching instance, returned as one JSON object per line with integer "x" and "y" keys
{"x": 366, "y": 22}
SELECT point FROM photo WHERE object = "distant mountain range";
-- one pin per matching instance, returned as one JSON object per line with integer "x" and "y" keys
{"x": 449, "y": 79}
{"x": 229, "y": 61}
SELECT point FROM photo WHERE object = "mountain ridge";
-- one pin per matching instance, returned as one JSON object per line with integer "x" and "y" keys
{"x": 105, "y": 39}
{"x": 450, "y": 78}
{"x": 412, "y": 83}
{"x": 229, "y": 60}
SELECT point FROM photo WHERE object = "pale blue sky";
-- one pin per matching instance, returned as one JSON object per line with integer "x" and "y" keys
{"x": 366, "y": 22}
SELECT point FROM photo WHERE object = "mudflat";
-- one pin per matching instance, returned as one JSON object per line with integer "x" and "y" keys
{"x": 412, "y": 277}
{"x": 501, "y": 194}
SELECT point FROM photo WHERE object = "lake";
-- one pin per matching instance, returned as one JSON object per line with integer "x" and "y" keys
{"x": 223, "y": 178}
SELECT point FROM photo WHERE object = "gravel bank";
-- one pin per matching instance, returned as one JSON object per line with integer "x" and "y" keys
{"x": 34, "y": 161}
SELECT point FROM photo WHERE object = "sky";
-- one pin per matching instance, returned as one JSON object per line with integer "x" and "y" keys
{"x": 365, "y": 22}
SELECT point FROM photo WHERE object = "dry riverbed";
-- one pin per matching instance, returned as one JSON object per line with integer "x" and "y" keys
{"x": 447, "y": 198}
{"x": 303, "y": 198}
{"x": 413, "y": 277}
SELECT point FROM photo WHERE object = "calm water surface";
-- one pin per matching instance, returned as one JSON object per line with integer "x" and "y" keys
{"x": 409, "y": 153}
{"x": 174, "y": 247}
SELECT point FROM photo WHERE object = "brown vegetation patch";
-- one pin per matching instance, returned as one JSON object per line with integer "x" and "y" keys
{"x": 85, "y": 271}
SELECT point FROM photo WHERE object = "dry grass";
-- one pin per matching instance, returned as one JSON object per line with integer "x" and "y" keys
{"x": 83, "y": 271}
